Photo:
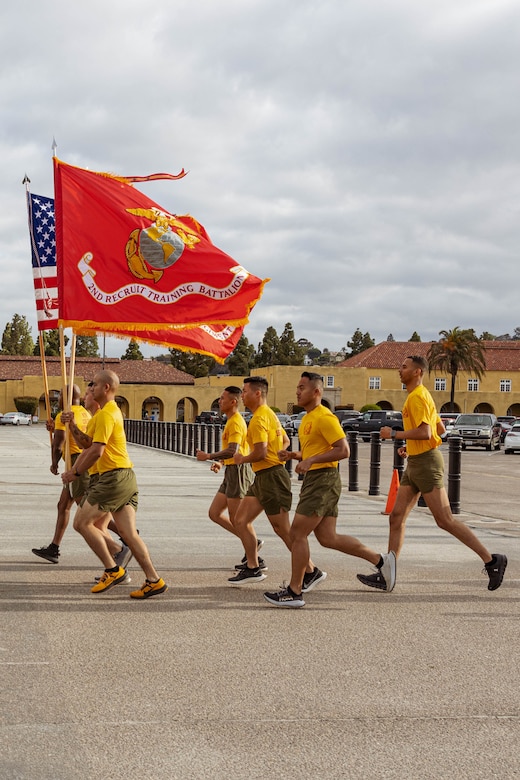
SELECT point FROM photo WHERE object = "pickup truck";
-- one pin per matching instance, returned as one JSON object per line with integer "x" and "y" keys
{"x": 373, "y": 420}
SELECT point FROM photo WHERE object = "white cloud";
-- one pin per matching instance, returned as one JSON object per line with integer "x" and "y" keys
{"x": 363, "y": 155}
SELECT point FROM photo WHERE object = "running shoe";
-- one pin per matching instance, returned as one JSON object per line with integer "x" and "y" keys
{"x": 247, "y": 575}
{"x": 50, "y": 553}
{"x": 123, "y": 557}
{"x": 495, "y": 570}
{"x": 284, "y": 598}
{"x": 109, "y": 579}
{"x": 149, "y": 588}
{"x": 313, "y": 578}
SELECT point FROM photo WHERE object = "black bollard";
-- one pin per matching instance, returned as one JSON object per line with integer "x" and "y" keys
{"x": 454, "y": 473}
{"x": 375, "y": 463}
{"x": 353, "y": 461}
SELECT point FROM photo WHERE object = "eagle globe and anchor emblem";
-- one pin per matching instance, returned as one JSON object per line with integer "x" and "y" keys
{"x": 149, "y": 251}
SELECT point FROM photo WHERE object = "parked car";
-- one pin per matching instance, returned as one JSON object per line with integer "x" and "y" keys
{"x": 373, "y": 420}
{"x": 346, "y": 414}
{"x": 16, "y": 418}
{"x": 512, "y": 440}
{"x": 209, "y": 418}
{"x": 297, "y": 420}
{"x": 507, "y": 422}
{"x": 478, "y": 430}
{"x": 287, "y": 423}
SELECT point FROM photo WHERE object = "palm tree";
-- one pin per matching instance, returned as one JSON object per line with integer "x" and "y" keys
{"x": 457, "y": 350}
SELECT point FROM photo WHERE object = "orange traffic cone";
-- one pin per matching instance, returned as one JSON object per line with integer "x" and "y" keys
{"x": 392, "y": 493}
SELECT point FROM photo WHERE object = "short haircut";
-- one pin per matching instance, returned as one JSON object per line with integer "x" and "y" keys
{"x": 258, "y": 383}
{"x": 110, "y": 378}
{"x": 316, "y": 379}
{"x": 419, "y": 361}
{"x": 233, "y": 390}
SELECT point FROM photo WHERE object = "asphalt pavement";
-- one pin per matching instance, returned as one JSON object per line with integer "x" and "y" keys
{"x": 209, "y": 681}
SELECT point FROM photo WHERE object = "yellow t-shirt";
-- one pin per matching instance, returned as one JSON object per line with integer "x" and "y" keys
{"x": 418, "y": 408}
{"x": 235, "y": 432}
{"x": 109, "y": 430}
{"x": 318, "y": 431}
{"x": 264, "y": 426}
{"x": 81, "y": 418}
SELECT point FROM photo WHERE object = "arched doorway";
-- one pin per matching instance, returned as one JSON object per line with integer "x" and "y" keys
{"x": 152, "y": 408}
{"x": 54, "y": 402}
{"x": 123, "y": 405}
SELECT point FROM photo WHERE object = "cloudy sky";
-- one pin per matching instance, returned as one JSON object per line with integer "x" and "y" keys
{"x": 364, "y": 154}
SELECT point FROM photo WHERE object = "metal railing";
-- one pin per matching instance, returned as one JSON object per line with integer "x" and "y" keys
{"x": 181, "y": 438}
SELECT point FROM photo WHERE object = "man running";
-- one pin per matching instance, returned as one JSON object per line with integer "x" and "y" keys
{"x": 323, "y": 444}
{"x": 425, "y": 474}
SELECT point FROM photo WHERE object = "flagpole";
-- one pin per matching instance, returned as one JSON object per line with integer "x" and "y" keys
{"x": 65, "y": 397}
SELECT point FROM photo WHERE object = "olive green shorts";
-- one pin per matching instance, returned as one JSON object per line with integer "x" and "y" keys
{"x": 320, "y": 492}
{"x": 79, "y": 486}
{"x": 113, "y": 490}
{"x": 272, "y": 488}
{"x": 237, "y": 480}
{"x": 424, "y": 472}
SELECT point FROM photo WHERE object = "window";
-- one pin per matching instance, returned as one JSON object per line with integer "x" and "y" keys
{"x": 440, "y": 384}
{"x": 472, "y": 385}
{"x": 505, "y": 385}
{"x": 374, "y": 383}
{"x": 329, "y": 381}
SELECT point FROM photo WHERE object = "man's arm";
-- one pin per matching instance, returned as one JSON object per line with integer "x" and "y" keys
{"x": 80, "y": 437}
{"x": 222, "y": 455}
{"x": 58, "y": 440}
{"x": 421, "y": 433}
{"x": 258, "y": 452}
{"x": 86, "y": 459}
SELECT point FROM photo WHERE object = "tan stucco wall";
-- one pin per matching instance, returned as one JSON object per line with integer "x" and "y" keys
{"x": 350, "y": 388}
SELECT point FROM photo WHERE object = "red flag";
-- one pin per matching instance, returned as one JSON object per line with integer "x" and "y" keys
{"x": 127, "y": 265}
{"x": 217, "y": 341}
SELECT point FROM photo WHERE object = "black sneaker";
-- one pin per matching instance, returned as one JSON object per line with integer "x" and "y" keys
{"x": 261, "y": 565}
{"x": 313, "y": 578}
{"x": 259, "y": 545}
{"x": 246, "y": 575}
{"x": 375, "y": 580}
{"x": 50, "y": 553}
{"x": 495, "y": 570}
{"x": 284, "y": 598}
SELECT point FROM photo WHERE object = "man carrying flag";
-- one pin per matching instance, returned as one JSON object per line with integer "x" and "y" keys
{"x": 115, "y": 491}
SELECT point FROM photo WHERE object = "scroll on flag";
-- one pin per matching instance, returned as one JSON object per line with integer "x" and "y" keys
{"x": 125, "y": 264}
{"x": 43, "y": 254}
{"x": 215, "y": 340}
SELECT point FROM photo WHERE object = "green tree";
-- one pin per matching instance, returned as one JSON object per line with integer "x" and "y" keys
{"x": 486, "y": 336}
{"x": 268, "y": 349}
{"x": 414, "y": 337}
{"x": 313, "y": 354}
{"x": 191, "y": 362}
{"x": 359, "y": 342}
{"x": 51, "y": 343}
{"x": 133, "y": 351}
{"x": 289, "y": 353}
{"x": 242, "y": 359}
{"x": 87, "y": 346}
{"x": 17, "y": 338}
{"x": 457, "y": 350}
{"x": 325, "y": 358}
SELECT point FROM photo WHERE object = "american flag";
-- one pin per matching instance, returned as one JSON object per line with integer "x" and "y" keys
{"x": 43, "y": 252}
